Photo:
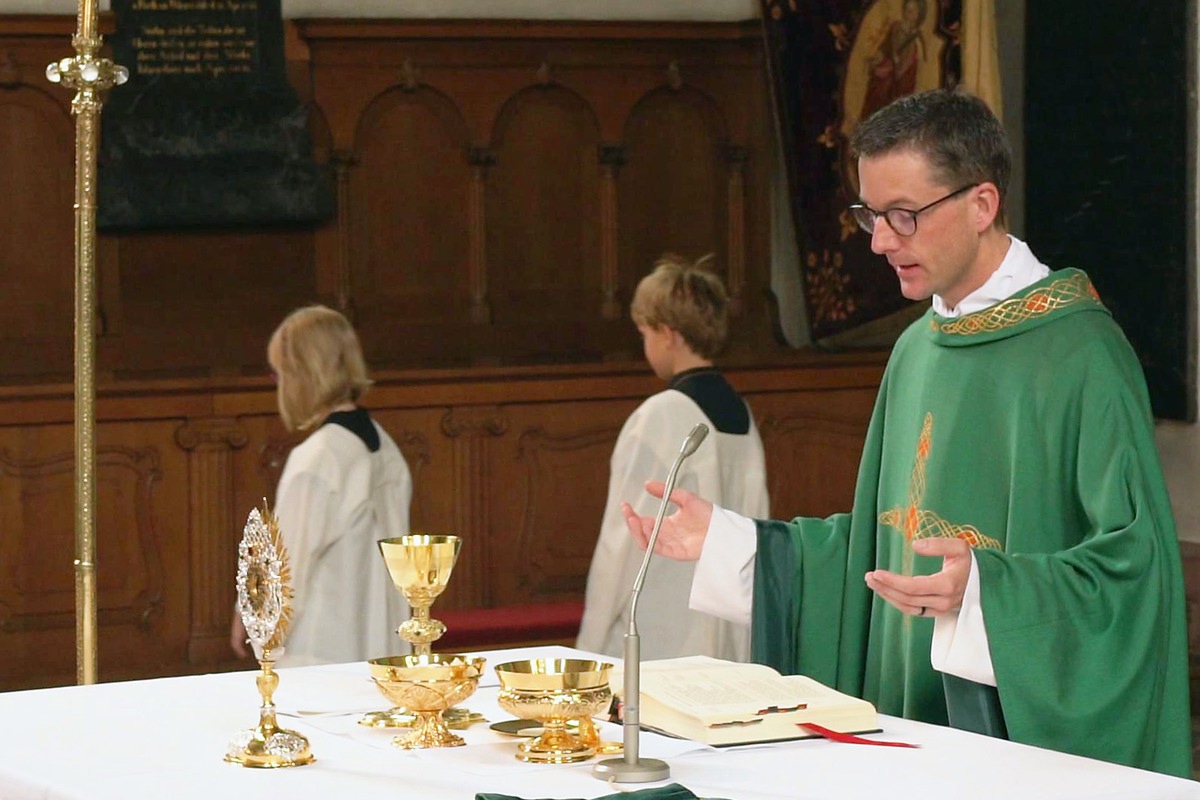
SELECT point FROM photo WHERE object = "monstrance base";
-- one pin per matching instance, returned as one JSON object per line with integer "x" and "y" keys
{"x": 280, "y": 748}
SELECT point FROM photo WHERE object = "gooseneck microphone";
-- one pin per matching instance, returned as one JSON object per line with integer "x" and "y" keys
{"x": 629, "y": 768}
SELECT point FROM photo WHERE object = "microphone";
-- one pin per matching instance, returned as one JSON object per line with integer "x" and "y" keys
{"x": 629, "y": 768}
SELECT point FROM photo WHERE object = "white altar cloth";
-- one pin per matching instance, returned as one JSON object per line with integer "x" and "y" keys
{"x": 154, "y": 739}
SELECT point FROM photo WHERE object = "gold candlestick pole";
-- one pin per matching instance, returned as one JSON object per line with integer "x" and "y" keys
{"x": 88, "y": 75}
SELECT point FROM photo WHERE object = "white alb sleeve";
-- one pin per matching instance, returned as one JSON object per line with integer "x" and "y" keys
{"x": 723, "y": 584}
{"x": 960, "y": 644}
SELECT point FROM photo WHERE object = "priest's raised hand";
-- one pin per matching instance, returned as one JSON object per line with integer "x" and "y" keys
{"x": 927, "y": 595}
{"x": 682, "y": 534}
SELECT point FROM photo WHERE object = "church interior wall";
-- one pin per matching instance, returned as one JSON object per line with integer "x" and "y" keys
{"x": 188, "y": 440}
{"x": 504, "y": 359}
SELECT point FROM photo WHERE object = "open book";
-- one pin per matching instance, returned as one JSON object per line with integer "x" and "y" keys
{"x": 724, "y": 702}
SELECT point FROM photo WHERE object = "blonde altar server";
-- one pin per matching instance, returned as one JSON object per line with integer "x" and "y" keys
{"x": 344, "y": 488}
{"x": 681, "y": 311}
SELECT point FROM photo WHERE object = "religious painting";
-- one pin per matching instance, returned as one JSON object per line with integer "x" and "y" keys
{"x": 832, "y": 64}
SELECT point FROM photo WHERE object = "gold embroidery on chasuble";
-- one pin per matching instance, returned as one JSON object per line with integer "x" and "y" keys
{"x": 916, "y": 522}
{"x": 1015, "y": 310}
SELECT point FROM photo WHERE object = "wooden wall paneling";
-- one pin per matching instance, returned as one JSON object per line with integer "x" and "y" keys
{"x": 735, "y": 214}
{"x": 36, "y": 249}
{"x": 484, "y": 70}
{"x": 480, "y": 159}
{"x": 544, "y": 222}
{"x": 212, "y": 517}
{"x": 409, "y": 200}
{"x": 196, "y": 302}
{"x": 514, "y": 460}
{"x": 672, "y": 187}
{"x": 503, "y": 186}
{"x": 548, "y": 483}
{"x": 813, "y": 443}
{"x": 331, "y": 239}
{"x": 142, "y": 555}
{"x": 470, "y": 432}
{"x": 611, "y": 159}
{"x": 543, "y": 247}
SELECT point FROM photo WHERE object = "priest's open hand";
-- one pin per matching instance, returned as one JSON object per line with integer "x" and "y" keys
{"x": 681, "y": 536}
{"x": 927, "y": 595}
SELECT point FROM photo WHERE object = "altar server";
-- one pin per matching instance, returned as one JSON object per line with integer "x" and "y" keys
{"x": 343, "y": 488}
{"x": 681, "y": 311}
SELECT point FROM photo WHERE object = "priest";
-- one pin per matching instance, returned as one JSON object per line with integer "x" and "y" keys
{"x": 1010, "y": 564}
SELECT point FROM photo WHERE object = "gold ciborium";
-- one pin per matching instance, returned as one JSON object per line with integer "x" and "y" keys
{"x": 554, "y": 692}
{"x": 427, "y": 685}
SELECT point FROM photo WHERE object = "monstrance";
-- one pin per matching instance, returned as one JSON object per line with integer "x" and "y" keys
{"x": 264, "y": 596}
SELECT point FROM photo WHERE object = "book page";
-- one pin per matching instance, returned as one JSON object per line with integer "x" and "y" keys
{"x": 705, "y": 695}
{"x": 724, "y": 692}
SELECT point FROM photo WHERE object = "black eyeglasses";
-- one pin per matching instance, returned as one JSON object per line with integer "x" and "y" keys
{"x": 902, "y": 220}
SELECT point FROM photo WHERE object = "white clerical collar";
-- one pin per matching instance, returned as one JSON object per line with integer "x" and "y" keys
{"x": 1020, "y": 268}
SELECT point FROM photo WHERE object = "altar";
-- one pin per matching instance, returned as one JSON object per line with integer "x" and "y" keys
{"x": 150, "y": 739}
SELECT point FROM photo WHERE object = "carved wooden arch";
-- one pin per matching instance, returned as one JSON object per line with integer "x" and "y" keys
{"x": 548, "y": 88}
{"x": 453, "y": 121}
{"x": 543, "y": 210}
{"x": 687, "y": 95}
{"x": 407, "y": 249}
{"x": 680, "y": 166}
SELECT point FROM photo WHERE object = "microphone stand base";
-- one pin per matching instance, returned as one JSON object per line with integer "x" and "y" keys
{"x": 643, "y": 770}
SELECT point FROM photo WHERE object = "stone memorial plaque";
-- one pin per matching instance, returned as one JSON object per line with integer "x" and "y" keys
{"x": 207, "y": 132}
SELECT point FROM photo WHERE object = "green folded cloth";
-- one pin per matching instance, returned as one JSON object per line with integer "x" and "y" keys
{"x": 672, "y": 791}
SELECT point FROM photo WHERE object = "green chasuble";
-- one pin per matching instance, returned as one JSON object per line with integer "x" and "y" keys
{"x": 1024, "y": 428}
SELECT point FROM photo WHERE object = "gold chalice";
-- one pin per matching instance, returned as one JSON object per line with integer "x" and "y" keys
{"x": 553, "y": 692}
{"x": 427, "y": 685}
{"x": 420, "y": 566}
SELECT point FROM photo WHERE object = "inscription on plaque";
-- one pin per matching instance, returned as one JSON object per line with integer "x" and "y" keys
{"x": 207, "y": 131}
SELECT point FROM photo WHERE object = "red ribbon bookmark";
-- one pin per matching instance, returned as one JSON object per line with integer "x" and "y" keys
{"x": 848, "y": 738}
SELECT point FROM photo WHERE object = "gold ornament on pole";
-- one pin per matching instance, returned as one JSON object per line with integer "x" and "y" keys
{"x": 264, "y": 602}
{"x": 89, "y": 75}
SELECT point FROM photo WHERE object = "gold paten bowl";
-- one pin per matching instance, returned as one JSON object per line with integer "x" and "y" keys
{"x": 427, "y": 685}
{"x": 554, "y": 691}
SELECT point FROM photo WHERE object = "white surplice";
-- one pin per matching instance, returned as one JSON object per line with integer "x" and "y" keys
{"x": 726, "y": 466}
{"x": 335, "y": 500}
